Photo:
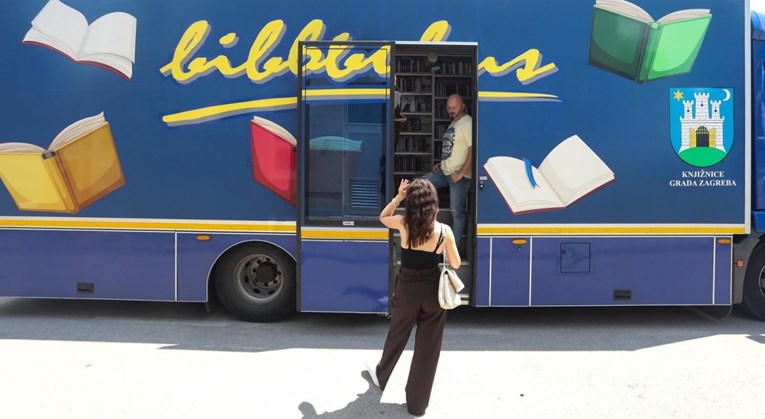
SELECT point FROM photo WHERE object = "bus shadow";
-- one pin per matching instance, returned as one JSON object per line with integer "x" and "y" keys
{"x": 183, "y": 326}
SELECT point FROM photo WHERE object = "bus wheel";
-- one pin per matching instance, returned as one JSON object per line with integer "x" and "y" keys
{"x": 754, "y": 283}
{"x": 256, "y": 282}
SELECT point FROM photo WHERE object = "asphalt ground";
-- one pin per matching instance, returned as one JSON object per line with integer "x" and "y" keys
{"x": 96, "y": 359}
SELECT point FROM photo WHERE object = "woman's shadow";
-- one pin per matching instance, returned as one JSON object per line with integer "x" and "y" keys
{"x": 366, "y": 405}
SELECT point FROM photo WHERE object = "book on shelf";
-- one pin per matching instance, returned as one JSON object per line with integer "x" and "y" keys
{"x": 79, "y": 167}
{"x": 570, "y": 172}
{"x": 274, "y": 158}
{"x": 108, "y": 42}
{"x": 625, "y": 40}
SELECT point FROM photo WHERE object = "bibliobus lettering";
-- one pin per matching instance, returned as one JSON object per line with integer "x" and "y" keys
{"x": 260, "y": 66}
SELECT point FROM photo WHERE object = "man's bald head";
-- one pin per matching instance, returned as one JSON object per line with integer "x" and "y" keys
{"x": 455, "y": 107}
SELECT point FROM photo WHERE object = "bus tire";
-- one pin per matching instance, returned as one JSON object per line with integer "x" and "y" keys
{"x": 754, "y": 283}
{"x": 256, "y": 282}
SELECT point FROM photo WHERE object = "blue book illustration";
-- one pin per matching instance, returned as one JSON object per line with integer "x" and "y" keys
{"x": 568, "y": 173}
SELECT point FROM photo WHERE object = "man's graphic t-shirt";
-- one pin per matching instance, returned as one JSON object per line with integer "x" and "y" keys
{"x": 455, "y": 143}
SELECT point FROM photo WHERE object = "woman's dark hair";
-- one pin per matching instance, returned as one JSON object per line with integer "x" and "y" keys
{"x": 421, "y": 210}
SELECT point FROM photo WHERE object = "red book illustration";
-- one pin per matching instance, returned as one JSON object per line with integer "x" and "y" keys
{"x": 274, "y": 158}
{"x": 108, "y": 42}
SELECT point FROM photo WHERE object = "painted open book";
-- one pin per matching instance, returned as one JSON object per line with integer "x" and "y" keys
{"x": 108, "y": 42}
{"x": 625, "y": 40}
{"x": 78, "y": 168}
{"x": 569, "y": 172}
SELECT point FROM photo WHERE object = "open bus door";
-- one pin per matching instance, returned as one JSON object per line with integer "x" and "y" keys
{"x": 344, "y": 124}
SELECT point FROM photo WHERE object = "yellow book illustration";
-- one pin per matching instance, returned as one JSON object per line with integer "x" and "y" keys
{"x": 80, "y": 167}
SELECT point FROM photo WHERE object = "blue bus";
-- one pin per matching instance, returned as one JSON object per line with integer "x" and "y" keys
{"x": 241, "y": 152}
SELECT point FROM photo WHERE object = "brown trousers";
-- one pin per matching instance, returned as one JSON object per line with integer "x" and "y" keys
{"x": 415, "y": 301}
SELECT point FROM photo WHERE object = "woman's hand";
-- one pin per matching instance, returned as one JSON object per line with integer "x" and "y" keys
{"x": 402, "y": 188}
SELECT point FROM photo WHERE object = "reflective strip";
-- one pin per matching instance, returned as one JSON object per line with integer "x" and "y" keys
{"x": 484, "y": 230}
{"x": 138, "y": 224}
{"x": 344, "y": 234}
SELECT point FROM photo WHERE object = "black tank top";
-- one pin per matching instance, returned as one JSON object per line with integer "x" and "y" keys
{"x": 422, "y": 259}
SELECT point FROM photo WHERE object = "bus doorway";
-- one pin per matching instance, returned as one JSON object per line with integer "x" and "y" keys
{"x": 426, "y": 75}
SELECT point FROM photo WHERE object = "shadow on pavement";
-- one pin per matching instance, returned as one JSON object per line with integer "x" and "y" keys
{"x": 363, "y": 406}
{"x": 183, "y": 326}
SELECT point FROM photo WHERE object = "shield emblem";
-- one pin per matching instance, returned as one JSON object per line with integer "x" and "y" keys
{"x": 701, "y": 124}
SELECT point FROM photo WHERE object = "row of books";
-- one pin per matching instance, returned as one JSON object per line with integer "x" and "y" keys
{"x": 411, "y": 163}
{"x": 437, "y": 152}
{"x": 445, "y": 89}
{"x": 455, "y": 67}
{"x": 416, "y": 124}
{"x": 415, "y": 104}
{"x": 417, "y": 84}
{"x": 413, "y": 65}
{"x": 440, "y": 130}
{"x": 412, "y": 144}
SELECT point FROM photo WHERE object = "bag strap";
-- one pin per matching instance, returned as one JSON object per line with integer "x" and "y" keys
{"x": 440, "y": 238}
{"x": 446, "y": 260}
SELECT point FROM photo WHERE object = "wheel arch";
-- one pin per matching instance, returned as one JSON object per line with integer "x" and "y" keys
{"x": 752, "y": 288}
{"x": 743, "y": 247}
{"x": 212, "y": 296}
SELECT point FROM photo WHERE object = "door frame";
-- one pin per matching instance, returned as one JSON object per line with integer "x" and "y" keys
{"x": 302, "y": 147}
{"x": 467, "y": 49}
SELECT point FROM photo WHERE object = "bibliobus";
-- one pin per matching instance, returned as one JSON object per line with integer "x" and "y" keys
{"x": 242, "y": 152}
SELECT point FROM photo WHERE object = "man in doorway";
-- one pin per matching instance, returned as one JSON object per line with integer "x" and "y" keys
{"x": 454, "y": 170}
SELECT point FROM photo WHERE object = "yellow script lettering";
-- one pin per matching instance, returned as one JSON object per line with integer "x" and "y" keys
{"x": 528, "y": 73}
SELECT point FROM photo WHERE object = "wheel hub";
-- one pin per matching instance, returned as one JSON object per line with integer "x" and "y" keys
{"x": 259, "y": 278}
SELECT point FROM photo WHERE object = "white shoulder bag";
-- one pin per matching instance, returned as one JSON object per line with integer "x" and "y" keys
{"x": 449, "y": 286}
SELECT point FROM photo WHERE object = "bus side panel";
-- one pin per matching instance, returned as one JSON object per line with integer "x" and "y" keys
{"x": 119, "y": 265}
{"x": 511, "y": 263}
{"x": 346, "y": 284}
{"x": 483, "y": 272}
{"x": 723, "y": 271}
{"x": 623, "y": 271}
{"x": 196, "y": 258}
{"x": 758, "y": 134}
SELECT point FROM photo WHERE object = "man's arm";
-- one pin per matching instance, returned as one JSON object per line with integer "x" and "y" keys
{"x": 465, "y": 169}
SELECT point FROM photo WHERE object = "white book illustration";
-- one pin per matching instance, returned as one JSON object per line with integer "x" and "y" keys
{"x": 569, "y": 172}
{"x": 108, "y": 42}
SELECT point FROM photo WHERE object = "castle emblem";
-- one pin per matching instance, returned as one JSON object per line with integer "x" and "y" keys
{"x": 701, "y": 125}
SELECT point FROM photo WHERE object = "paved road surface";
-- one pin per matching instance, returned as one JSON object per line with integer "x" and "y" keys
{"x": 92, "y": 359}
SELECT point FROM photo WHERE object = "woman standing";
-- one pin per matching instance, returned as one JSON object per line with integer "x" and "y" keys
{"x": 415, "y": 299}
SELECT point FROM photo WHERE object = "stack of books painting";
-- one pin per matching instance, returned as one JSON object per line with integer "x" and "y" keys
{"x": 570, "y": 172}
{"x": 79, "y": 167}
{"x": 625, "y": 40}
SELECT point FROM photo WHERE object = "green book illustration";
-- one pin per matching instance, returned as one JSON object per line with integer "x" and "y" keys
{"x": 625, "y": 40}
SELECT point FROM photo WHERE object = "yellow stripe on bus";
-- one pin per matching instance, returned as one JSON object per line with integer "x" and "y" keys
{"x": 498, "y": 231}
{"x": 345, "y": 234}
{"x": 358, "y": 93}
{"x": 254, "y": 227}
